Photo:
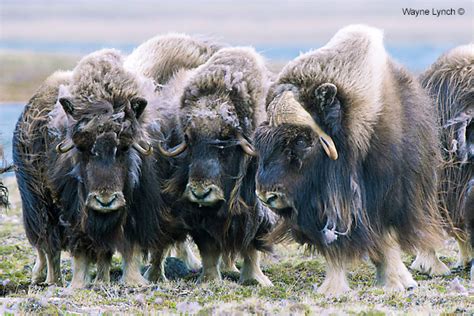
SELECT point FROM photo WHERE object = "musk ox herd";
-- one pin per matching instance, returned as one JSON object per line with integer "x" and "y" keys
{"x": 189, "y": 140}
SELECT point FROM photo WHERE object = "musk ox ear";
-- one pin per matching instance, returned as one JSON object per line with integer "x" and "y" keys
{"x": 325, "y": 94}
{"x": 328, "y": 105}
{"x": 67, "y": 105}
{"x": 138, "y": 105}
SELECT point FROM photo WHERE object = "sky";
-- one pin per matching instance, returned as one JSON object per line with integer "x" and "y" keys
{"x": 243, "y": 22}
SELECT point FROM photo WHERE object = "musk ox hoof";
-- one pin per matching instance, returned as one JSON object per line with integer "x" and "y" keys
{"x": 209, "y": 277}
{"x": 333, "y": 289}
{"x": 135, "y": 280}
{"x": 154, "y": 275}
{"x": 261, "y": 279}
{"x": 78, "y": 284}
{"x": 38, "y": 278}
{"x": 430, "y": 265}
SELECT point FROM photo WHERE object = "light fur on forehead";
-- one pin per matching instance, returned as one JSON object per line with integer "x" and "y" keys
{"x": 356, "y": 62}
{"x": 237, "y": 75}
{"x": 101, "y": 76}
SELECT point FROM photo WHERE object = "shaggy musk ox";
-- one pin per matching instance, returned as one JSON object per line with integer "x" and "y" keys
{"x": 168, "y": 60}
{"x": 450, "y": 82}
{"x": 213, "y": 186}
{"x": 342, "y": 161}
{"x": 85, "y": 170}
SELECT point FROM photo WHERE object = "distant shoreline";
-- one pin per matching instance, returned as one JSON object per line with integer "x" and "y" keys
{"x": 2, "y": 103}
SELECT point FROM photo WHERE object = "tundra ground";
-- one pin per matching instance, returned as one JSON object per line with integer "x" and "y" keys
{"x": 294, "y": 273}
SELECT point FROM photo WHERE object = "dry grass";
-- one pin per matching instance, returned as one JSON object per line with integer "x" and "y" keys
{"x": 22, "y": 73}
{"x": 294, "y": 274}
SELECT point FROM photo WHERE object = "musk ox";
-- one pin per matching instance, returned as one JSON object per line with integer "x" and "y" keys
{"x": 450, "y": 83}
{"x": 341, "y": 160}
{"x": 167, "y": 59}
{"x": 86, "y": 172}
{"x": 213, "y": 186}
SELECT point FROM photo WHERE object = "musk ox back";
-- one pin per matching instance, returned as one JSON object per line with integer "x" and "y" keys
{"x": 85, "y": 169}
{"x": 213, "y": 186}
{"x": 450, "y": 83}
{"x": 161, "y": 57}
{"x": 341, "y": 160}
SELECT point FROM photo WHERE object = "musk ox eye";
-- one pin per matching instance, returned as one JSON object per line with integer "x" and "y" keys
{"x": 301, "y": 144}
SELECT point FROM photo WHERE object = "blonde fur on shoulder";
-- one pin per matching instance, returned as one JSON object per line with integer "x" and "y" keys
{"x": 356, "y": 62}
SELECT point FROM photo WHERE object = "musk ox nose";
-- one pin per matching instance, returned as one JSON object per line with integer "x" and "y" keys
{"x": 273, "y": 199}
{"x": 204, "y": 193}
{"x": 201, "y": 193}
{"x": 105, "y": 201}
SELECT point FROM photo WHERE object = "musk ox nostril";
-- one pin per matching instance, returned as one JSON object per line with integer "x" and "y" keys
{"x": 106, "y": 200}
{"x": 201, "y": 193}
{"x": 271, "y": 197}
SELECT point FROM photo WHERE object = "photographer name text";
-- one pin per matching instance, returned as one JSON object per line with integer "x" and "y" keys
{"x": 432, "y": 12}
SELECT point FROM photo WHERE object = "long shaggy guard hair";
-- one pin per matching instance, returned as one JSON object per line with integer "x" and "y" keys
{"x": 81, "y": 136}
{"x": 382, "y": 177}
{"x": 450, "y": 82}
{"x": 220, "y": 105}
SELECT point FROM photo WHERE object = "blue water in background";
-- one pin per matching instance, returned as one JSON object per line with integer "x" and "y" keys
{"x": 415, "y": 56}
{"x": 9, "y": 114}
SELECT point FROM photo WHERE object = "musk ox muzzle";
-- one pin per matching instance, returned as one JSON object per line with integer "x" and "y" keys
{"x": 275, "y": 200}
{"x": 203, "y": 193}
{"x": 105, "y": 202}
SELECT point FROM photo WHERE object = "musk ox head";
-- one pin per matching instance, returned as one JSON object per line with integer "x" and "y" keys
{"x": 99, "y": 115}
{"x": 218, "y": 116}
{"x": 291, "y": 141}
{"x": 321, "y": 113}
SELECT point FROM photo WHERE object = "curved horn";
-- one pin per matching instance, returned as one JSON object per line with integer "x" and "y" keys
{"x": 246, "y": 146}
{"x": 286, "y": 109}
{"x": 173, "y": 151}
{"x": 142, "y": 150}
{"x": 64, "y": 146}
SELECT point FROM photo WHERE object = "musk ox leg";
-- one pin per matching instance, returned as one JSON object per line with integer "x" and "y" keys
{"x": 156, "y": 271}
{"x": 335, "y": 283}
{"x": 53, "y": 262}
{"x": 211, "y": 255}
{"x": 103, "y": 267}
{"x": 428, "y": 262}
{"x": 80, "y": 271}
{"x": 185, "y": 253}
{"x": 251, "y": 269}
{"x": 465, "y": 253}
{"x": 392, "y": 273}
{"x": 132, "y": 261}
{"x": 39, "y": 269}
{"x": 228, "y": 263}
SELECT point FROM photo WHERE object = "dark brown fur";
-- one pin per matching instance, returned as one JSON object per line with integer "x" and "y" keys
{"x": 450, "y": 82}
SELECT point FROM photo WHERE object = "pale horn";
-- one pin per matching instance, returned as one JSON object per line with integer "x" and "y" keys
{"x": 285, "y": 109}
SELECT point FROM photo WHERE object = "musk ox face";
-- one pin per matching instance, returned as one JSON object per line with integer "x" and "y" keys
{"x": 104, "y": 137}
{"x": 285, "y": 152}
{"x": 215, "y": 149}
{"x": 293, "y": 143}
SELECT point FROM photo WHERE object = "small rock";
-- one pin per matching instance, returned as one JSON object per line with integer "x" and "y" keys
{"x": 188, "y": 307}
{"x": 140, "y": 298}
{"x": 456, "y": 286}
